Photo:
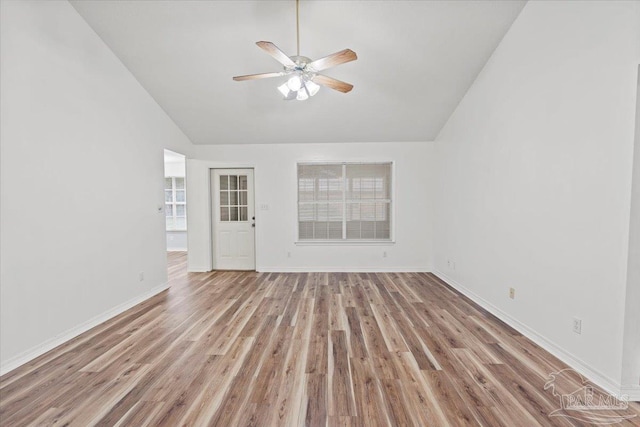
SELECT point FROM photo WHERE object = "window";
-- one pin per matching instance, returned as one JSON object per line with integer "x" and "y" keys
{"x": 233, "y": 198}
{"x": 344, "y": 201}
{"x": 175, "y": 203}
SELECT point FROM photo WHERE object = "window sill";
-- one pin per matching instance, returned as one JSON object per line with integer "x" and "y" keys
{"x": 345, "y": 242}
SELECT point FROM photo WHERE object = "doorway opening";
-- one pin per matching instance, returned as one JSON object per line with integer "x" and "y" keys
{"x": 175, "y": 201}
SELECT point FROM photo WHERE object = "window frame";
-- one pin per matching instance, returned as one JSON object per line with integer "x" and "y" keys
{"x": 174, "y": 204}
{"x": 238, "y": 205}
{"x": 346, "y": 241}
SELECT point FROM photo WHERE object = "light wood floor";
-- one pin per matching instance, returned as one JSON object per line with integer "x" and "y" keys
{"x": 238, "y": 348}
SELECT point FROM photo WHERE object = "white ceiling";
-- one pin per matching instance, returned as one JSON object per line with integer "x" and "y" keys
{"x": 416, "y": 60}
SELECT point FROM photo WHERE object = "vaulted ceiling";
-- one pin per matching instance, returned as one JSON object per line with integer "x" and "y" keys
{"x": 416, "y": 60}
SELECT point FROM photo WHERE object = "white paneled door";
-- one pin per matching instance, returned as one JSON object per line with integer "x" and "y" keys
{"x": 233, "y": 220}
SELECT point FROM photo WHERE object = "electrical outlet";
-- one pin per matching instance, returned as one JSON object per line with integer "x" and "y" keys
{"x": 384, "y": 254}
{"x": 288, "y": 254}
{"x": 577, "y": 325}
{"x": 141, "y": 276}
{"x": 512, "y": 293}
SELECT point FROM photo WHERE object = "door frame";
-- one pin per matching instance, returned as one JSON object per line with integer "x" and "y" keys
{"x": 212, "y": 230}
{"x": 199, "y": 233}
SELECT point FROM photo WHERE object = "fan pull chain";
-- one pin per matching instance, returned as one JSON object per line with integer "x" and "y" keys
{"x": 298, "y": 26}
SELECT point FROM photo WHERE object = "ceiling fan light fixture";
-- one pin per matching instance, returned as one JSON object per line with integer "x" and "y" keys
{"x": 312, "y": 87}
{"x": 284, "y": 89}
{"x": 299, "y": 87}
{"x": 294, "y": 83}
{"x": 303, "y": 94}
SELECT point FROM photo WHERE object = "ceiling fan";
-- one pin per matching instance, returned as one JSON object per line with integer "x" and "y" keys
{"x": 305, "y": 80}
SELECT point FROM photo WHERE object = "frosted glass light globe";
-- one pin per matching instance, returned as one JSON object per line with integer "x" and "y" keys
{"x": 294, "y": 83}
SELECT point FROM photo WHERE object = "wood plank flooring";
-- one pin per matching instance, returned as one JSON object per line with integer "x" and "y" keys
{"x": 316, "y": 349}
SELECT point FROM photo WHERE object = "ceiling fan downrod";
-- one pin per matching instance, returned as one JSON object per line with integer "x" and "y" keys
{"x": 298, "y": 27}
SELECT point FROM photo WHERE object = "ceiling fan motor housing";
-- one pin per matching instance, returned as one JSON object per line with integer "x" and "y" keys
{"x": 302, "y": 65}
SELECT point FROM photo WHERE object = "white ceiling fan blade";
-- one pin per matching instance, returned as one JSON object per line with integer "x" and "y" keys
{"x": 332, "y": 83}
{"x": 342, "y": 57}
{"x": 276, "y": 53}
{"x": 259, "y": 76}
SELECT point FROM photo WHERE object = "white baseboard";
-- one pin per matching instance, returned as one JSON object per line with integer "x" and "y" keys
{"x": 327, "y": 270}
{"x": 632, "y": 392}
{"x": 50, "y": 344}
{"x": 598, "y": 378}
{"x": 198, "y": 269}
{"x": 344, "y": 270}
{"x": 177, "y": 250}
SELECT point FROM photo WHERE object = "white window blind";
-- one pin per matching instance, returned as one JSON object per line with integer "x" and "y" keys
{"x": 344, "y": 201}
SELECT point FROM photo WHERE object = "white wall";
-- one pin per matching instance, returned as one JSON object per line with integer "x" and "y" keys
{"x": 178, "y": 168}
{"x": 534, "y": 179}
{"x": 82, "y": 171}
{"x": 176, "y": 240}
{"x": 631, "y": 349}
{"x": 275, "y": 186}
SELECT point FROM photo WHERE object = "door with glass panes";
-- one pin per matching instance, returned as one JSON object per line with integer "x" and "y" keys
{"x": 233, "y": 220}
